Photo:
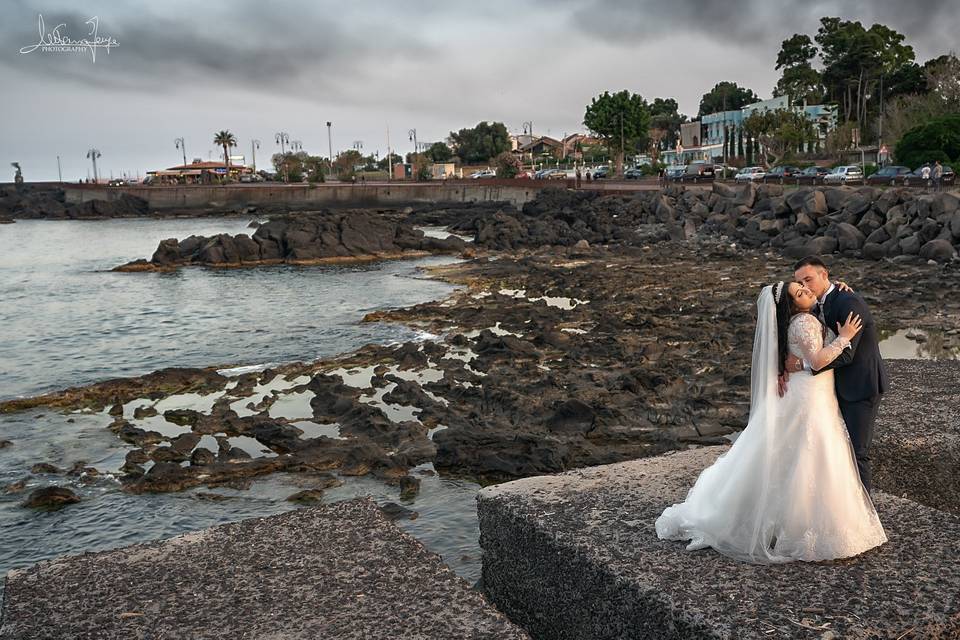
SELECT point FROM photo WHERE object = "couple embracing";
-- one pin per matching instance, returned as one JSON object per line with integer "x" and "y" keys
{"x": 796, "y": 483}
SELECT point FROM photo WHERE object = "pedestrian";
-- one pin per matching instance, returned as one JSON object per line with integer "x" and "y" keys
{"x": 589, "y": 176}
{"x": 937, "y": 176}
{"x": 578, "y": 177}
{"x": 660, "y": 176}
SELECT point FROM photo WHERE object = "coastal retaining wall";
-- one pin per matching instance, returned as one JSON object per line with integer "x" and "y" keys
{"x": 313, "y": 196}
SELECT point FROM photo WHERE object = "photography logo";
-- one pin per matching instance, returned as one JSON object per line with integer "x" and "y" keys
{"x": 58, "y": 41}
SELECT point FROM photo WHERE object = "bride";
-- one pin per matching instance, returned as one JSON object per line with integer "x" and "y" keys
{"x": 788, "y": 488}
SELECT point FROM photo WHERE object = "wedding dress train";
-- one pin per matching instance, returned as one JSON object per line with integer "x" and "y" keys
{"x": 788, "y": 488}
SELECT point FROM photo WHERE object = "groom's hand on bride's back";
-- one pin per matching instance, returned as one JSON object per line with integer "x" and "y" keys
{"x": 843, "y": 286}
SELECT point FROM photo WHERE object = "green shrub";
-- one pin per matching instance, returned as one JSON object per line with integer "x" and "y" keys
{"x": 938, "y": 139}
{"x": 869, "y": 170}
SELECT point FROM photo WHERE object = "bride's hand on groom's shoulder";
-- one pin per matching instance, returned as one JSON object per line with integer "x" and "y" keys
{"x": 843, "y": 286}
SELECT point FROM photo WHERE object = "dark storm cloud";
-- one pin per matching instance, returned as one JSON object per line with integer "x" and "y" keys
{"x": 760, "y": 24}
{"x": 254, "y": 43}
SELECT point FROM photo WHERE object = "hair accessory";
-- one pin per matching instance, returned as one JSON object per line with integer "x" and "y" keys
{"x": 777, "y": 291}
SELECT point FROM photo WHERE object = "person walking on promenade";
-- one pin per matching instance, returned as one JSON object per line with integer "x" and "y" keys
{"x": 925, "y": 176}
{"x": 937, "y": 176}
{"x": 578, "y": 177}
{"x": 589, "y": 176}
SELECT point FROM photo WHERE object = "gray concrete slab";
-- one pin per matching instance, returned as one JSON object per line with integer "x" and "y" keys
{"x": 916, "y": 448}
{"x": 331, "y": 571}
{"x": 576, "y": 555}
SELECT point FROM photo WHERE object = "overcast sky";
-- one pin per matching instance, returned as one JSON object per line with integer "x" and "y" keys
{"x": 256, "y": 68}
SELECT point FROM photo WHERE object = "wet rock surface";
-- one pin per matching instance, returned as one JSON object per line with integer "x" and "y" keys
{"x": 546, "y": 360}
{"x": 50, "y": 498}
{"x": 337, "y": 571}
{"x": 576, "y": 555}
{"x": 318, "y": 238}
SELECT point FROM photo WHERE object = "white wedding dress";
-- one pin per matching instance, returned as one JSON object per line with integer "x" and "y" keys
{"x": 788, "y": 488}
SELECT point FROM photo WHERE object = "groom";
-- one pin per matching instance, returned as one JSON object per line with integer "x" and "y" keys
{"x": 859, "y": 374}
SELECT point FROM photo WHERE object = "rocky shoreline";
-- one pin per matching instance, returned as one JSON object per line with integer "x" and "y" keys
{"x": 546, "y": 360}
{"x": 322, "y": 237}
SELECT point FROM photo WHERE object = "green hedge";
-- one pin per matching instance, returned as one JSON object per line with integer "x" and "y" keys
{"x": 938, "y": 139}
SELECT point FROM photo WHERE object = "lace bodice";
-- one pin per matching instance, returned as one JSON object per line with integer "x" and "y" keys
{"x": 805, "y": 339}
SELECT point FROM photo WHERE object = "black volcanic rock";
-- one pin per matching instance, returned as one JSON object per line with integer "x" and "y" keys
{"x": 305, "y": 239}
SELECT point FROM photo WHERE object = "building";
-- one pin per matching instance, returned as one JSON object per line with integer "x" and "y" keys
{"x": 198, "y": 172}
{"x": 703, "y": 139}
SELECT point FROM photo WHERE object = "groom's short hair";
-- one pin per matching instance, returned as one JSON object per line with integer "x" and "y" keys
{"x": 811, "y": 261}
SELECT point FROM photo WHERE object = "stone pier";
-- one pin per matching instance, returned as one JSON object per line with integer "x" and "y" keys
{"x": 334, "y": 572}
{"x": 575, "y": 555}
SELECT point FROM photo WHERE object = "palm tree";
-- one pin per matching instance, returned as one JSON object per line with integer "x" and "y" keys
{"x": 226, "y": 140}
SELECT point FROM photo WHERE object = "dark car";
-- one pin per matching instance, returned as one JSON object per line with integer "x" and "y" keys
{"x": 812, "y": 175}
{"x": 601, "y": 173}
{"x": 915, "y": 179}
{"x": 633, "y": 174}
{"x": 698, "y": 171}
{"x": 889, "y": 175}
{"x": 781, "y": 174}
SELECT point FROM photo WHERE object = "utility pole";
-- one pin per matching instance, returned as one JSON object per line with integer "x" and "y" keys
{"x": 254, "y": 145}
{"x": 179, "y": 144}
{"x": 59, "y": 172}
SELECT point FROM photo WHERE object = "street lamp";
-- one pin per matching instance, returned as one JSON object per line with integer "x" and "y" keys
{"x": 93, "y": 154}
{"x": 283, "y": 138}
{"x": 179, "y": 144}
{"x": 358, "y": 145}
{"x": 412, "y": 134}
{"x": 254, "y": 145}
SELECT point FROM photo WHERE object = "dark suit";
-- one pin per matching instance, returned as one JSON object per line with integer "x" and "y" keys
{"x": 859, "y": 373}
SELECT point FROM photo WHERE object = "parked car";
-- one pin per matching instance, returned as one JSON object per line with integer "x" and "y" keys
{"x": 602, "y": 172}
{"x": 485, "y": 173}
{"x": 844, "y": 175}
{"x": 889, "y": 175}
{"x": 557, "y": 174}
{"x": 814, "y": 172}
{"x": 633, "y": 174}
{"x": 697, "y": 171}
{"x": 675, "y": 172}
{"x": 750, "y": 174}
{"x": 781, "y": 174}
{"x": 916, "y": 178}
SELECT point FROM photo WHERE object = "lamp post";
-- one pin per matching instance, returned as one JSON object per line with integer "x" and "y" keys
{"x": 330, "y": 142}
{"x": 254, "y": 145}
{"x": 93, "y": 154}
{"x": 283, "y": 138}
{"x": 179, "y": 144}
{"x": 59, "y": 172}
{"x": 412, "y": 135}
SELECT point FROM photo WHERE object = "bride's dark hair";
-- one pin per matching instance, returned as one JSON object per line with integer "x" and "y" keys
{"x": 785, "y": 311}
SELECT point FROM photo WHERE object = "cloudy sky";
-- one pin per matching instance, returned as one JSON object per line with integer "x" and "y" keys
{"x": 257, "y": 68}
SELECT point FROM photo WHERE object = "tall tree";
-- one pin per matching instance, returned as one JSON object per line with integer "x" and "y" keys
{"x": 480, "y": 143}
{"x": 854, "y": 59}
{"x": 726, "y": 96}
{"x": 439, "y": 152}
{"x": 620, "y": 119}
{"x": 226, "y": 140}
{"x": 665, "y": 121}
{"x": 799, "y": 81}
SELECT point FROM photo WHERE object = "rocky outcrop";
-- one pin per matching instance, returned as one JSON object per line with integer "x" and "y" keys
{"x": 51, "y": 498}
{"x": 575, "y": 555}
{"x": 326, "y": 237}
{"x": 866, "y": 222}
{"x": 29, "y": 202}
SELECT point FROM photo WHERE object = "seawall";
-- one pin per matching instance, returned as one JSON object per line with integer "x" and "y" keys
{"x": 312, "y": 196}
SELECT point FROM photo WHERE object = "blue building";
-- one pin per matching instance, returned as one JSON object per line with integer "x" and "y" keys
{"x": 703, "y": 139}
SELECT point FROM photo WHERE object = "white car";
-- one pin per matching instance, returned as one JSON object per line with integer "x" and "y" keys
{"x": 843, "y": 175}
{"x": 750, "y": 174}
